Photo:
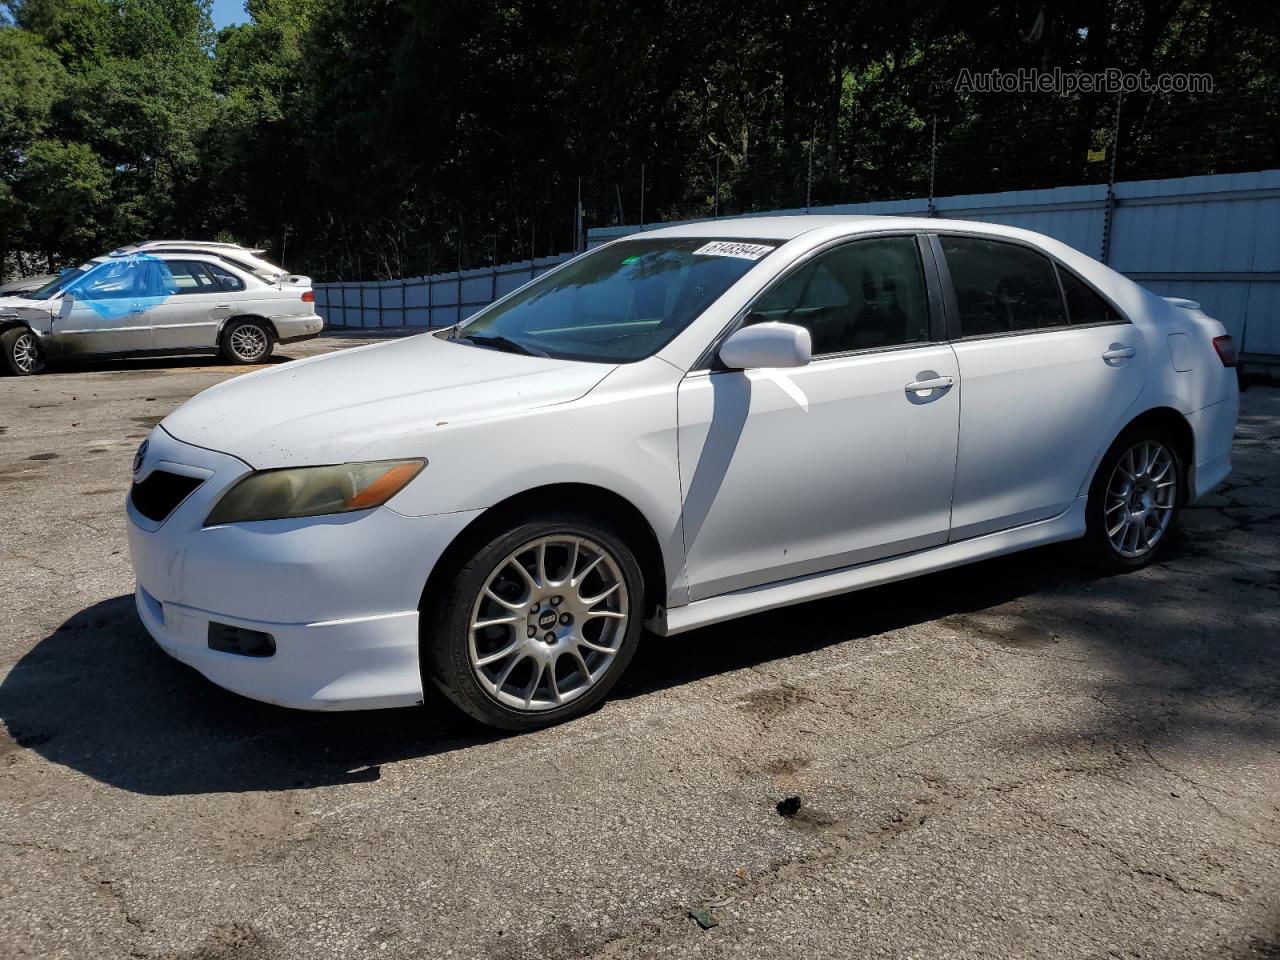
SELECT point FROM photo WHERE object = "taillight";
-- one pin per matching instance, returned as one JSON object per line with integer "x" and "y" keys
{"x": 1226, "y": 348}
{"x": 310, "y": 297}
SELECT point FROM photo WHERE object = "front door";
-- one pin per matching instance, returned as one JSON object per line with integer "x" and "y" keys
{"x": 104, "y": 311}
{"x": 1044, "y": 380}
{"x": 786, "y": 473}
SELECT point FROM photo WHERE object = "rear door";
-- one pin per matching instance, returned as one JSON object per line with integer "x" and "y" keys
{"x": 191, "y": 316}
{"x": 1049, "y": 369}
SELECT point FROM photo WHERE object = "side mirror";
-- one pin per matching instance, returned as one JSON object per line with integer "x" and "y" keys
{"x": 767, "y": 345}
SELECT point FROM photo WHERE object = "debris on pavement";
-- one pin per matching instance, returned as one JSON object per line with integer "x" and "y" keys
{"x": 706, "y": 919}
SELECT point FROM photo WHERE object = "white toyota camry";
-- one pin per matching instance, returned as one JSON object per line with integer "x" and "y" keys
{"x": 678, "y": 428}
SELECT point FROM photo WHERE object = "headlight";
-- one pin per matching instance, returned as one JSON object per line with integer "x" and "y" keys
{"x": 313, "y": 491}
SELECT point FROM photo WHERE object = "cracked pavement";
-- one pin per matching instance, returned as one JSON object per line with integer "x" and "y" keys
{"x": 1015, "y": 759}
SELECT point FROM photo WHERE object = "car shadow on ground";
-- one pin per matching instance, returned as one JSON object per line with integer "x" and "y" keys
{"x": 177, "y": 362}
{"x": 99, "y": 697}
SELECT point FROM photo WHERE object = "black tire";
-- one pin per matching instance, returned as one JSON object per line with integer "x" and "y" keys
{"x": 1098, "y": 542}
{"x": 20, "y": 352}
{"x": 237, "y": 337}
{"x": 446, "y": 622}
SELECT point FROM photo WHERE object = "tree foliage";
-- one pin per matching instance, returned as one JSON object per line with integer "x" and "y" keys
{"x": 373, "y": 138}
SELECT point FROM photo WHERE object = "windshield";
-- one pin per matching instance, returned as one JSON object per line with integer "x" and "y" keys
{"x": 55, "y": 285}
{"x": 618, "y": 304}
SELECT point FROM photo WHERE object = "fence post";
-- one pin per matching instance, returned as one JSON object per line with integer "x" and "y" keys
{"x": 1109, "y": 212}
{"x": 808, "y": 188}
{"x": 933, "y": 166}
{"x": 715, "y": 210}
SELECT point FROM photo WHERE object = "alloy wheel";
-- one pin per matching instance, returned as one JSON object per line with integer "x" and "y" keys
{"x": 548, "y": 622}
{"x": 1140, "y": 499}
{"x": 248, "y": 341}
{"x": 26, "y": 353}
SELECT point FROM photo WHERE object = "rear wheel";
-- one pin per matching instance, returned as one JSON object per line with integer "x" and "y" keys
{"x": 20, "y": 352}
{"x": 1135, "y": 499}
{"x": 246, "y": 341}
{"x": 537, "y": 624}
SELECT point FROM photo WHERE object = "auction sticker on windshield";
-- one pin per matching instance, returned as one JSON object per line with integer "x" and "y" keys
{"x": 729, "y": 248}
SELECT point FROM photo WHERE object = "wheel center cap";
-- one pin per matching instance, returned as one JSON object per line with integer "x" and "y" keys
{"x": 547, "y": 619}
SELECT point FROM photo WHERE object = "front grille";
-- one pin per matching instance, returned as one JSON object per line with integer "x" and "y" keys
{"x": 160, "y": 493}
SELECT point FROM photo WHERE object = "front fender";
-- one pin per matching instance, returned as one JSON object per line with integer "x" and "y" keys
{"x": 620, "y": 437}
{"x": 37, "y": 320}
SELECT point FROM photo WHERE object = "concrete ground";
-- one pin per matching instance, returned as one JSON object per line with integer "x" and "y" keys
{"x": 1017, "y": 759}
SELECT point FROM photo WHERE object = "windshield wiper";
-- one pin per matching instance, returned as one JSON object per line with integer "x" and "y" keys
{"x": 503, "y": 344}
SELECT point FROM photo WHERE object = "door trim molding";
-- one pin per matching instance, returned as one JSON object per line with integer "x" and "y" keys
{"x": 1068, "y": 525}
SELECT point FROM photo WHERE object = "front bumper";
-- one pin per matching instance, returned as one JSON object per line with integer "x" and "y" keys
{"x": 338, "y": 594}
{"x": 338, "y": 665}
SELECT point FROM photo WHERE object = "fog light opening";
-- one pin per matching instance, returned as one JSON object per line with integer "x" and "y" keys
{"x": 246, "y": 643}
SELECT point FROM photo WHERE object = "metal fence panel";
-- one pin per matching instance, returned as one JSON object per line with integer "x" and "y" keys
{"x": 439, "y": 300}
{"x": 1213, "y": 238}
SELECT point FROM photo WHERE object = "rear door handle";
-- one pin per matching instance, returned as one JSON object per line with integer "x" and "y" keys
{"x": 934, "y": 383}
{"x": 1119, "y": 352}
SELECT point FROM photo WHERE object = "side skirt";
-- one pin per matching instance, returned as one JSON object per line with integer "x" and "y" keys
{"x": 1068, "y": 525}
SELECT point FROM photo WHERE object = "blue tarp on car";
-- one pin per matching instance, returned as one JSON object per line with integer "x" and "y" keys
{"x": 124, "y": 285}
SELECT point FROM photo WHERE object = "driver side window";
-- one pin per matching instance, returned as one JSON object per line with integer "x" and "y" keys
{"x": 862, "y": 295}
{"x": 112, "y": 280}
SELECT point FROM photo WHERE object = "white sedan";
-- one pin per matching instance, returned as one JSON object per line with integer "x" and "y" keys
{"x": 158, "y": 297}
{"x": 675, "y": 429}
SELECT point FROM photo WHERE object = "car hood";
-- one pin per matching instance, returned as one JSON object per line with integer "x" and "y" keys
{"x": 371, "y": 402}
{"x": 13, "y": 300}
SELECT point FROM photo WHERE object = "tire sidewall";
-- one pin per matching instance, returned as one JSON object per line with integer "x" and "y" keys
{"x": 229, "y": 352}
{"x": 1099, "y": 543}
{"x": 445, "y": 657}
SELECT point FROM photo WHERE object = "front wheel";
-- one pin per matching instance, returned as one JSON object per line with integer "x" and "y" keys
{"x": 1134, "y": 500}
{"x": 20, "y": 352}
{"x": 246, "y": 341}
{"x": 537, "y": 625}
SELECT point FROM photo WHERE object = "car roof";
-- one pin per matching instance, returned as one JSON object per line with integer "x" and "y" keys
{"x": 762, "y": 228}
{"x": 202, "y": 244}
{"x": 789, "y": 227}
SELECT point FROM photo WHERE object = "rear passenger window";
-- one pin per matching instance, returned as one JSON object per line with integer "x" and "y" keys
{"x": 858, "y": 296}
{"x": 226, "y": 279}
{"x": 188, "y": 276}
{"x": 1083, "y": 305}
{"x": 1002, "y": 287}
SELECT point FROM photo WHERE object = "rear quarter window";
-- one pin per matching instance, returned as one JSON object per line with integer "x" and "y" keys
{"x": 1084, "y": 306}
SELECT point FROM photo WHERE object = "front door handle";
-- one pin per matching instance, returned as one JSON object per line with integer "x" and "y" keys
{"x": 933, "y": 383}
{"x": 1118, "y": 351}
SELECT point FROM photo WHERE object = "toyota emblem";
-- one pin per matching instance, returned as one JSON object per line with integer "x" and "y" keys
{"x": 140, "y": 456}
